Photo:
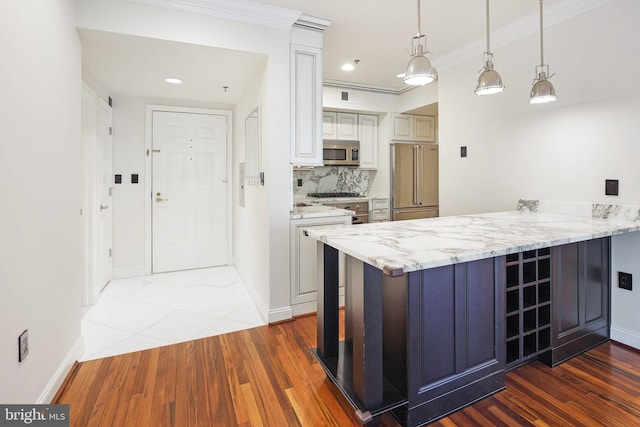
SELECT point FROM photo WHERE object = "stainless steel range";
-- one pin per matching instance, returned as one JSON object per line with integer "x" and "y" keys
{"x": 360, "y": 207}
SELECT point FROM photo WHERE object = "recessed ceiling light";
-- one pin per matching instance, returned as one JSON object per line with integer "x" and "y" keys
{"x": 347, "y": 67}
{"x": 173, "y": 80}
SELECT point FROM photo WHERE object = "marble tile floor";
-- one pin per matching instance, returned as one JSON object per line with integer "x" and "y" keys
{"x": 161, "y": 309}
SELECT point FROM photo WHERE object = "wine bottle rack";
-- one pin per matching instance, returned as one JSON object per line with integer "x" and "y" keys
{"x": 528, "y": 305}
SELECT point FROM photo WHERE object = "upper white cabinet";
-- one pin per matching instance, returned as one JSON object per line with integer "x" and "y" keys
{"x": 354, "y": 127}
{"x": 368, "y": 135}
{"x": 329, "y": 125}
{"x": 305, "y": 75}
{"x": 424, "y": 128}
{"x": 347, "y": 126}
{"x": 306, "y": 105}
{"x": 409, "y": 127}
{"x": 339, "y": 125}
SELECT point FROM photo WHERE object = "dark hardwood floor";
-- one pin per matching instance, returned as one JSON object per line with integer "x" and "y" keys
{"x": 267, "y": 376}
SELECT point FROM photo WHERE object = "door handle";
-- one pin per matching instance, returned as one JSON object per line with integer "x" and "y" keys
{"x": 103, "y": 207}
{"x": 160, "y": 199}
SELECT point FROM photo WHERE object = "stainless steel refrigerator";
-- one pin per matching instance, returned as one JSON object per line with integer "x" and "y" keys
{"x": 414, "y": 181}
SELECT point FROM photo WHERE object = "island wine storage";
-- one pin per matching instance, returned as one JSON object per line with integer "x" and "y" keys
{"x": 528, "y": 323}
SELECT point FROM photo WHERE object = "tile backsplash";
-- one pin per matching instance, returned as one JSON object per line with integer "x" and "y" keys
{"x": 328, "y": 179}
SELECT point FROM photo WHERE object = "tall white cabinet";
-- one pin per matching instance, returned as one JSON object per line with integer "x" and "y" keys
{"x": 305, "y": 51}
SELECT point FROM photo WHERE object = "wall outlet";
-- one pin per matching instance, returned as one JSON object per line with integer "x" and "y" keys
{"x": 23, "y": 345}
{"x": 625, "y": 281}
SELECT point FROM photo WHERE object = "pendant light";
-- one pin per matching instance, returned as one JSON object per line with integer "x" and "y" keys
{"x": 489, "y": 81}
{"x": 419, "y": 70}
{"x": 542, "y": 90}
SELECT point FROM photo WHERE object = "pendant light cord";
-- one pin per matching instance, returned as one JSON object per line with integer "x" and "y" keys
{"x": 419, "y": 30}
{"x": 541, "y": 37}
{"x": 488, "y": 47}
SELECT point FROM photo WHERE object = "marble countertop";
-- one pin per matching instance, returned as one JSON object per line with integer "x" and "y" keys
{"x": 404, "y": 246}
{"x": 311, "y": 210}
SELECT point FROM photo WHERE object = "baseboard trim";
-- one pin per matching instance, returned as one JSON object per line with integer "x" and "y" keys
{"x": 61, "y": 373}
{"x": 280, "y": 314}
{"x": 625, "y": 336}
{"x": 128, "y": 272}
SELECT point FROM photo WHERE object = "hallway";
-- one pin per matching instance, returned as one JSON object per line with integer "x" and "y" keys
{"x": 151, "y": 311}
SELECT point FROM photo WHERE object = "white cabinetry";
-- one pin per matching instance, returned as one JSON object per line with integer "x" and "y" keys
{"x": 407, "y": 127}
{"x": 379, "y": 210}
{"x": 329, "y": 125}
{"x": 347, "y": 126}
{"x": 303, "y": 262}
{"x": 340, "y": 126}
{"x": 354, "y": 127}
{"x": 306, "y": 105}
{"x": 368, "y": 134}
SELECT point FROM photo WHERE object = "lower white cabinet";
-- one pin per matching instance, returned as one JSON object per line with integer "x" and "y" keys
{"x": 303, "y": 262}
{"x": 379, "y": 210}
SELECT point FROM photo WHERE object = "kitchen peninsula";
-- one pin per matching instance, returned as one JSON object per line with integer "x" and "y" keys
{"x": 436, "y": 310}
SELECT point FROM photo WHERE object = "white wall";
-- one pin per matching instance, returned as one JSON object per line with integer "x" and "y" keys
{"x": 41, "y": 193}
{"x": 272, "y": 203}
{"x": 559, "y": 151}
{"x": 563, "y": 150}
{"x": 625, "y": 320}
{"x": 129, "y": 139}
{"x": 250, "y": 224}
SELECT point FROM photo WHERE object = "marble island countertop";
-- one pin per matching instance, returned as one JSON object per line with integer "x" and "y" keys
{"x": 303, "y": 210}
{"x": 404, "y": 246}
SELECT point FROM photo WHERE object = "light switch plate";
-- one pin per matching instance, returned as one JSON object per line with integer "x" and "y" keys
{"x": 23, "y": 345}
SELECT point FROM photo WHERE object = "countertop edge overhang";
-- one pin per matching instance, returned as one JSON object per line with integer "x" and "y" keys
{"x": 403, "y": 246}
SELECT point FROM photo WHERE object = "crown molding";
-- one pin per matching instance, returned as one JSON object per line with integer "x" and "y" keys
{"x": 365, "y": 87}
{"x": 313, "y": 23}
{"x": 234, "y": 10}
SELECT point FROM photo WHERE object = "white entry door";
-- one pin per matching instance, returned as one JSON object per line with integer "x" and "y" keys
{"x": 189, "y": 191}
{"x": 104, "y": 189}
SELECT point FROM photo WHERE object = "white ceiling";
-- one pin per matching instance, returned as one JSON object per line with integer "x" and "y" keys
{"x": 137, "y": 66}
{"x": 378, "y": 33}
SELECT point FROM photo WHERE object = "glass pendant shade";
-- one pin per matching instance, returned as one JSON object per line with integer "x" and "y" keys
{"x": 542, "y": 90}
{"x": 419, "y": 71}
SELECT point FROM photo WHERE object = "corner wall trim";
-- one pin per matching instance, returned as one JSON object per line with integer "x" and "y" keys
{"x": 49, "y": 392}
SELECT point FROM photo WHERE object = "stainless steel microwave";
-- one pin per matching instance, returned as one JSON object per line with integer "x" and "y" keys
{"x": 338, "y": 152}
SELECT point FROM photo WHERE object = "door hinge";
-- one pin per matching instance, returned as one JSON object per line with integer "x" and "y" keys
{"x": 110, "y": 130}
{"x": 110, "y": 252}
